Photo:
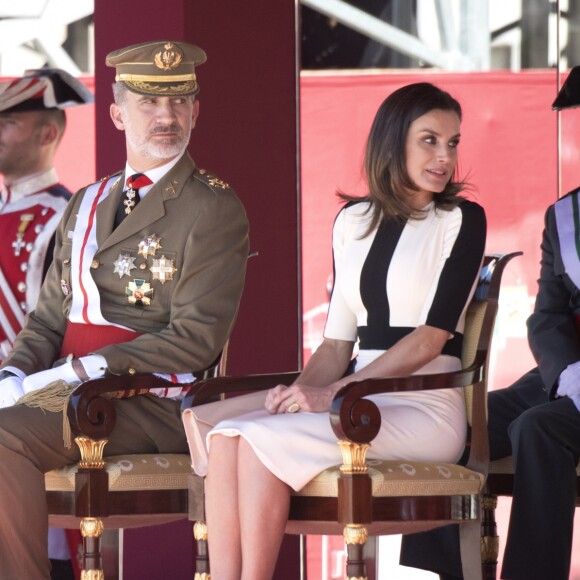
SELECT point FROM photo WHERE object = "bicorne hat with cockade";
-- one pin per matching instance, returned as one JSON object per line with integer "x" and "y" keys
{"x": 41, "y": 90}
{"x": 569, "y": 95}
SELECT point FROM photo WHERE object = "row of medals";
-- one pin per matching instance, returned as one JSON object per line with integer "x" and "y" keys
{"x": 138, "y": 291}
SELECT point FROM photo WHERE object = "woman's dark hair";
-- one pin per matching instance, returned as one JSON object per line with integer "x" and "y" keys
{"x": 385, "y": 160}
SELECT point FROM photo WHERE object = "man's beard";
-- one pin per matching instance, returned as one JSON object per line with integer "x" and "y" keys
{"x": 157, "y": 150}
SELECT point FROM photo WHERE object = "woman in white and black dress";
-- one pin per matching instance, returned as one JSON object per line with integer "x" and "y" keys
{"x": 406, "y": 259}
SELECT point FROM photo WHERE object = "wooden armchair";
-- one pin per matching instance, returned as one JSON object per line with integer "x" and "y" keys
{"x": 118, "y": 491}
{"x": 361, "y": 498}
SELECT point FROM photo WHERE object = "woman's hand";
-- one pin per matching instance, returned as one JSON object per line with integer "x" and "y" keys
{"x": 283, "y": 399}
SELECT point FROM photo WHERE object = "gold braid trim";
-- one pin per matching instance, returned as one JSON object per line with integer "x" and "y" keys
{"x": 54, "y": 399}
{"x": 92, "y": 575}
{"x": 55, "y": 396}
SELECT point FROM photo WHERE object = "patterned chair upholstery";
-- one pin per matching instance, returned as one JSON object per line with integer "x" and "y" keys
{"x": 361, "y": 498}
{"x": 122, "y": 491}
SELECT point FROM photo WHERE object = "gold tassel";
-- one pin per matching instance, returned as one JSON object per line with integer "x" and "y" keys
{"x": 54, "y": 399}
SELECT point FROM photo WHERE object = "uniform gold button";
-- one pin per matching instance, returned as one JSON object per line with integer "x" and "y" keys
{"x": 132, "y": 371}
{"x": 143, "y": 266}
{"x": 95, "y": 264}
{"x": 66, "y": 261}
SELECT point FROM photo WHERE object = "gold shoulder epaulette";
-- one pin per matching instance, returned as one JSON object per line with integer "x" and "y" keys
{"x": 109, "y": 176}
{"x": 212, "y": 180}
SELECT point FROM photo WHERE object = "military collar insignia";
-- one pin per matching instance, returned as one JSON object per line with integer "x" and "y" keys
{"x": 213, "y": 180}
{"x": 216, "y": 182}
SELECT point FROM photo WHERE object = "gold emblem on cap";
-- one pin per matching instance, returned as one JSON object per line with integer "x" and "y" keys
{"x": 169, "y": 58}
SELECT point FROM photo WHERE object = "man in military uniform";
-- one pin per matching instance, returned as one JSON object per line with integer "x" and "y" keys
{"x": 147, "y": 275}
{"x": 32, "y": 200}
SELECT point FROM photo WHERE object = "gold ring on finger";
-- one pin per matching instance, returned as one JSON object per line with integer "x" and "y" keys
{"x": 294, "y": 408}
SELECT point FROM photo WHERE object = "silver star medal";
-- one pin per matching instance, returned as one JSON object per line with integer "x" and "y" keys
{"x": 123, "y": 265}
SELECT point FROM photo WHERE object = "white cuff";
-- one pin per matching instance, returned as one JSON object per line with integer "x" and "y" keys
{"x": 20, "y": 374}
{"x": 95, "y": 365}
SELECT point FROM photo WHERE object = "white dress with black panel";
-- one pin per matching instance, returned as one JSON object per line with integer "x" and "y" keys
{"x": 410, "y": 273}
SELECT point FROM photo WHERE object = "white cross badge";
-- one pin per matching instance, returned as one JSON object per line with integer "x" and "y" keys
{"x": 163, "y": 269}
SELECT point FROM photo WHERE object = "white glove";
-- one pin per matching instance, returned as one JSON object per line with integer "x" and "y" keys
{"x": 569, "y": 383}
{"x": 10, "y": 391}
{"x": 93, "y": 364}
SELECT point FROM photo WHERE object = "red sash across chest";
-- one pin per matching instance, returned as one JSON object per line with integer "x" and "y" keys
{"x": 82, "y": 339}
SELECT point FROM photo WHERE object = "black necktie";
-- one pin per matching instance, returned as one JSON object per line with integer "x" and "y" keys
{"x": 131, "y": 198}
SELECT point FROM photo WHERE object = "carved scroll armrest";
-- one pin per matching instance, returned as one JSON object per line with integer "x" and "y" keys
{"x": 357, "y": 419}
{"x": 90, "y": 409}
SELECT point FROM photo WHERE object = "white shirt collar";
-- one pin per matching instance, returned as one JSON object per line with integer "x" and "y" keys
{"x": 153, "y": 174}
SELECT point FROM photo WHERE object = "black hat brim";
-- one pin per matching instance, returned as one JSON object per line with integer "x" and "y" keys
{"x": 569, "y": 95}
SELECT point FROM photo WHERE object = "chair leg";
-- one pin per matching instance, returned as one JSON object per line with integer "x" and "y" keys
{"x": 470, "y": 546}
{"x": 91, "y": 530}
{"x": 355, "y": 537}
{"x": 202, "y": 558}
{"x": 489, "y": 538}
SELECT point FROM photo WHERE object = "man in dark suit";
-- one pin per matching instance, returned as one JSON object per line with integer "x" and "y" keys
{"x": 537, "y": 419}
{"x": 147, "y": 276}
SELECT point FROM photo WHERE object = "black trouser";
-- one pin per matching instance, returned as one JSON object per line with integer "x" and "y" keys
{"x": 544, "y": 440}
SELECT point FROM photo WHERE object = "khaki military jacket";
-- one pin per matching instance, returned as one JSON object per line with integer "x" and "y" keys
{"x": 193, "y": 299}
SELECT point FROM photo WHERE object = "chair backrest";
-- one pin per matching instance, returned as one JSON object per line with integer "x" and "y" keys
{"x": 480, "y": 318}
